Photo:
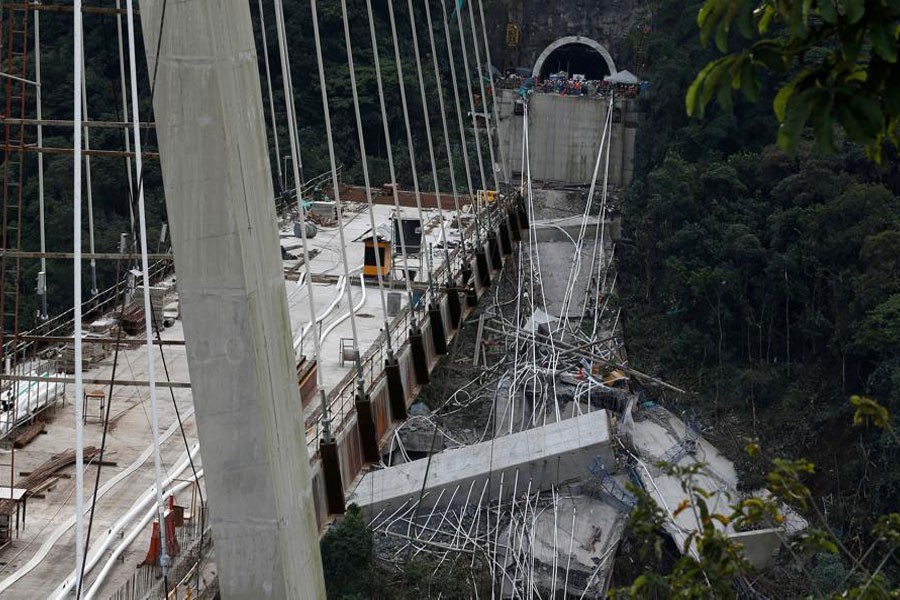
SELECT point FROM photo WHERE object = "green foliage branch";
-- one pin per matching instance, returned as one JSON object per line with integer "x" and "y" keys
{"x": 836, "y": 61}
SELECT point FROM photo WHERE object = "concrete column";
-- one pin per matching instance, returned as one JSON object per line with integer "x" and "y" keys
{"x": 454, "y": 308}
{"x": 505, "y": 242}
{"x": 494, "y": 251}
{"x": 481, "y": 267}
{"x": 219, "y": 195}
{"x": 396, "y": 396}
{"x": 438, "y": 336}
{"x": 419, "y": 358}
{"x": 365, "y": 423}
{"x": 514, "y": 228}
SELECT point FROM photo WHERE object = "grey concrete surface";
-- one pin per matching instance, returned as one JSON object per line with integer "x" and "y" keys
{"x": 128, "y": 437}
{"x": 564, "y": 136}
{"x": 551, "y": 455}
{"x": 218, "y": 187}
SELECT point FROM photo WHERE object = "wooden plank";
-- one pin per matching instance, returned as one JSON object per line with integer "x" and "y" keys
{"x": 27, "y": 434}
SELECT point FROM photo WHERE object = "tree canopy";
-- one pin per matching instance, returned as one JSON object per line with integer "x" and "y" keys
{"x": 835, "y": 62}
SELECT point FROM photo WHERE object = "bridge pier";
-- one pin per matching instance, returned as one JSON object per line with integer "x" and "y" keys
{"x": 436, "y": 317}
{"x": 494, "y": 250}
{"x": 420, "y": 361}
{"x": 453, "y": 306}
{"x": 523, "y": 214}
{"x": 396, "y": 396}
{"x": 216, "y": 169}
{"x": 331, "y": 471}
{"x": 505, "y": 242}
{"x": 514, "y": 229}
{"x": 368, "y": 436}
{"x": 481, "y": 267}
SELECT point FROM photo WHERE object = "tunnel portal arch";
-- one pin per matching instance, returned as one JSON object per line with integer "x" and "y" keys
{"x": 573, "y": 39}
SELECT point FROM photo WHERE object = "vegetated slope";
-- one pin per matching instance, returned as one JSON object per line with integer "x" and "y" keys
{"x": 767, "y": 285}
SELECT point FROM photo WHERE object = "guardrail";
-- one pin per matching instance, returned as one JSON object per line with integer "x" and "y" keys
{"x": 287, "y": 202}
{"x": 63, "y": 324}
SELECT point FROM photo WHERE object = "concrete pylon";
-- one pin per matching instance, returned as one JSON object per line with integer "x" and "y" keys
{"x": 218, "y": 184}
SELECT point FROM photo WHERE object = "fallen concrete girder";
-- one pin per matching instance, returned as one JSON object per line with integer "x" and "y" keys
{"x": 550, "y": 455}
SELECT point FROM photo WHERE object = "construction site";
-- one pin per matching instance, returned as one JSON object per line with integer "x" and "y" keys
{"x": 448, "y": 356}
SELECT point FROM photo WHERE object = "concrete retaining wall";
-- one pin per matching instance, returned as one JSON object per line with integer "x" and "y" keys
{"x": 564, "y": 136}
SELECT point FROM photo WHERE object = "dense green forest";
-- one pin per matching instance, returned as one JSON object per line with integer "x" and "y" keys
{"x": 766, "y": 284}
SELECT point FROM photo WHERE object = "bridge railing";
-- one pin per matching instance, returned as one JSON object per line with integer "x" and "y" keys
{"x": 287, "y": 202}
{"x": 63, "y": 324}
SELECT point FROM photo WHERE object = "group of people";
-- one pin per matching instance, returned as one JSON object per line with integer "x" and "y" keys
{"x": 586, "y": 87}
{"x": 565, "y": 85}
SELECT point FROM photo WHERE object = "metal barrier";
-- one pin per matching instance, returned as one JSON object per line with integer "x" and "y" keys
{"x": 63, "y": 323}
{"x": 287, "y": 203}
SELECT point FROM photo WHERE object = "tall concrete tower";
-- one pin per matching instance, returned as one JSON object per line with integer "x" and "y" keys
{"x": 218, "y": 185}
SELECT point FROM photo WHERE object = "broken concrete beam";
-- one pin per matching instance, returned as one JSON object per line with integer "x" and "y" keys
{"x": 548, "y": 455}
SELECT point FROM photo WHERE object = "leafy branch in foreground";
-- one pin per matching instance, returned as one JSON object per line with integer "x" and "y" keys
{"x": 836, "y": 60}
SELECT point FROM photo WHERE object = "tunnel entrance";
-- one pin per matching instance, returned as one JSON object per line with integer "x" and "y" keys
{"x": 575, "y": 55}
{"x": 575, "y": 59}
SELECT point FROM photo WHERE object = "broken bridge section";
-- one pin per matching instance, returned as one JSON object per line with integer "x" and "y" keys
{"x": 546, "y": 456}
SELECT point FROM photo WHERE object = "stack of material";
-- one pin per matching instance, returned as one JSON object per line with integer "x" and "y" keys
{"x": 159, "y": 297}
{"x": 102, "y": 326}
{"x": 91, "y": 353}
{"x": 107, "y": 327}
{"x": 133, "y": 319}
{"x": 44, "y": 472}
{"x": 27, "y": 434}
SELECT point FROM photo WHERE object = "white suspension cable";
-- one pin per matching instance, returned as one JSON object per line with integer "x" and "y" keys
{"x": 443, "y": 113}
{"x": 365, "y": 168}
{"x": 574, "y": 267}
{"x": 87, "y": 173}
{"x": 459, "y": 116}
{"x": 601, "y": 231}
{"x": 298, "y": 157}
{"x": 337, "y": 197}
{"x": 484, "y": 111}
{"x": 79, "y": 383}
{"x": 409, "y": 140}
{"x": 295, "y": 165}
{"x": 468, "y": 79}
{"x": 125, "y": 113}
{"x": 390, "y": 156}
{"x": 290, "y": 100}
{"x": 487, "y": 51}
{"x": 265, "y": 47}
{"x": 148, "y": 312}
{"x": 425, "y": 112}
{"x": 42, "y": 284}
{"x": 538, "y": 275}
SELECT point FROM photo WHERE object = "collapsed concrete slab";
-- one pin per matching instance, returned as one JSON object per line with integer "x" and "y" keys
{"x": 660, "y": 436}
{"x": 571, "y": 549}
{"x": 550, "y": 456}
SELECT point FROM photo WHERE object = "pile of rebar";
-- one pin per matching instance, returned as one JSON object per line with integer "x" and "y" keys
{"x": 45, "y": 471}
